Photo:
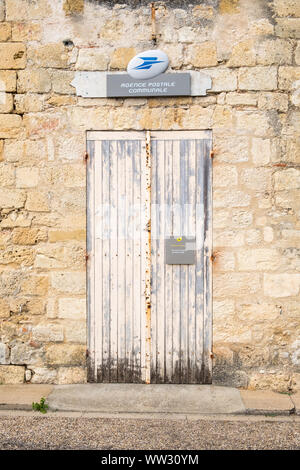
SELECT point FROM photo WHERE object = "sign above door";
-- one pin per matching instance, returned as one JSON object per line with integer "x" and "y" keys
{"x": 145, "y": 78}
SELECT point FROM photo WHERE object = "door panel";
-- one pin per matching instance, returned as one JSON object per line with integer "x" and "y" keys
{"x": 169, "y": 340}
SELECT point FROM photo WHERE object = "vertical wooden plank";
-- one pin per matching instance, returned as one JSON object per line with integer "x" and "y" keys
{"x": 199, "y": 262}
{"x": 154, "y": 280}
{"x": 184, "y": 269}
{"x": 168, "y": 313}
{"x": 92, "y": 363}
{"x": 121, "y": 331}
{"x": 106, "y": 353}
{"x": 137, "y": 295}
{"x": 114, "y": 307}
{"x": 191, "y": 269}
{"x": 146, "y": 260}
{"x": 129, "y": 287}
{"x": 98, "y": 235}
{"x": 159, "y": 260}
{"x": 176, "y": 268}
{"x": 207, "y": 321}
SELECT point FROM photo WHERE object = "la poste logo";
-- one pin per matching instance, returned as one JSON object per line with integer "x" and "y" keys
{"x": 148, "y": 64}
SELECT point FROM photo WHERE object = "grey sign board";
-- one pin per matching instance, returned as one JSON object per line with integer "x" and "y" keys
{"x": 180, "y": 250}
{"x": 166, "y": 84}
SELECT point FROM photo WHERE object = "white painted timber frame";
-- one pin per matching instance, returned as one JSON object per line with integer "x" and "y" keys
{"x": 147, "y": 321}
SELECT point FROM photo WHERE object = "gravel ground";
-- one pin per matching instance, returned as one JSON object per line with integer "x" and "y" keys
{"x": 47, "y": 432}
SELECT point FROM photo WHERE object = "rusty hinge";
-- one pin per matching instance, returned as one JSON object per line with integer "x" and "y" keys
{"x": 212, "y": 355}
{"x": 87, "y": 256}
{"x": 87, "y": 353}
{"x": 212, "y": 154}
{"x": 213, "y": 257}
{"x": 86, "y": 157}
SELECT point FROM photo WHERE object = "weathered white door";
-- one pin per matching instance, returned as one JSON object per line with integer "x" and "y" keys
{"x": 149, "y": 321}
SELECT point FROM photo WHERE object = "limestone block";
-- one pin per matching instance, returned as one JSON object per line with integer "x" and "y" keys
{"x": 229, "y": 198}
{"x": 228, "y": 238}
{"x": 202, "y": 55}
{"x": 256, "y": 178}
{"x": 281, "y": 285}
{"x": 34, "y": 80}
{"x": 48, "y": 333}
{"x": 43, "y": 375}
{"x": 260, "y": 151}
{"x": 20, "y": 10}
{"x": 224, "y": 176}
{"x": 10, "y": 121}
{"x": 258, "y": 259}
{"x": 54, "y": 55}
{"x": 203, "y": 11}
{"x": 12, "y": 198}
{"x": 88, "y": 118}
{"x": 231, "y": 149}
{"x": 71, "y": 375}
{"x": 6, "y": 102}
{"x": 243, "y": 54}
{"x": 198, "y": 117}
{"x": 257, "y": 78}
{"x": 297, "y": 54}
{"x": 287, "y": 179}
{"x": 5, "y": 31}
{"x": 73, "y": 7}
{"x": 268, "y": 234}
{"x": 8, "y": 80}
{"x": 236, "y": 284}
{"x": 287, "y": 77}
{"x": 286, "y": 7}
{"x": 223, "y": 117}
{"x": 4, "y": 309}
{"x": 72, "y": 308}
{"x": 22, "y": 353}
{"x": 35, "y": 285}
{"x": 28, "y": 236}
{"x": 92, "y": 59}
{"x": 17, "y": 255}
{"x": 4, "y": 354}
{"x": 223, "y": 309}
{"x": 253, "y": 123}
{"x": 69, "y": 282}
{"x": 288, "y": 27}
{"x": 26, "y": 31}
{"x": 66, "y": 354}
{"x": 37, "y": 201}
{"x": 71, "y": 255}
{"x": 7, "y": 174}
{"x": 75, "y": 332}
{"x": 29, "y": 103}
{"x": 27, "y": 177}
{"x": 223, "y": 79}
{"x": 277, "y": 382}
{"x": 278, "y": 101}
{"x": 12, "y": 375}
{"x": 62, "y": 235}
{"x": 12, "y": 55}
{"x": 121, "y": 56}
{"x": 61, "y": 80}
{"x": 112, "y": 29}
{"x": 274, "y": 51}
{"x": 35, "y": 306}
{"x": 13, "y": 150}
{"x": 241, "y": 99}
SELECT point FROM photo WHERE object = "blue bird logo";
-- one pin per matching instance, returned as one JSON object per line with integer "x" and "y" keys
{"x": 147, "y": 63}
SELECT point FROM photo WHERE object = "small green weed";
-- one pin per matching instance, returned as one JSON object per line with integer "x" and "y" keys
{"x": 42, "y": 406}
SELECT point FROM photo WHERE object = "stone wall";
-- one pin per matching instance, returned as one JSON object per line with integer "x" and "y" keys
{"x": 251, "y": 49}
